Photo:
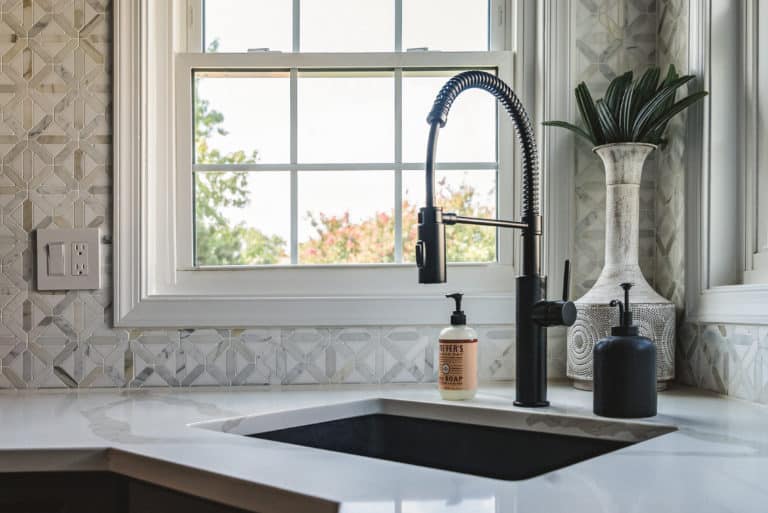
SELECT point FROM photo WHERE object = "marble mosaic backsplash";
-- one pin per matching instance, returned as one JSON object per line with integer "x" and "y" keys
{"x": 271, "y": 356}
{"x": 669, "y": 275}
{"x": 609, "y": 37}
{"x": 728, "y": 359}
{"x": 55, "y": 138}
{"x": 55, "y": 142}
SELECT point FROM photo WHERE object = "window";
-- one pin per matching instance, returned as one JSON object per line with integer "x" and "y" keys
{"x": 726, "y": 193}
{"x": 757, "y": 152}
{"x": 309, "y": 134}
{"x": 271, "y": 137}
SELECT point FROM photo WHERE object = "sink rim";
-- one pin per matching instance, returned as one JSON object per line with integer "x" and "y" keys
{"x": 621, "y": 430}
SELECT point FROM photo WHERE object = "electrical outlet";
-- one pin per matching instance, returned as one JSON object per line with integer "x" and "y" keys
{"x": 68, "y": 259}
{"x": 79, "y": 258}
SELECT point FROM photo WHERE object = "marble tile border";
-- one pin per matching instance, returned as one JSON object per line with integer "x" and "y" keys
{"x": 257, "y": 356}
{"x": 726, "y": 358}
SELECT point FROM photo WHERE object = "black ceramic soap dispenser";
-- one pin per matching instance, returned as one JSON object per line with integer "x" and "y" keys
{"x": 624, "y": 369}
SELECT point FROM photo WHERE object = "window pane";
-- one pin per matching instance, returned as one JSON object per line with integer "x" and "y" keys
{"x": 448, "y": 25}
{"x": 237, "y": 25}
{"x": 242, "y": 117}
{"x": 346, "y": 217}
{"x": 469, "y": 135}
{"x": 469, "y": 193}
{"x": 242, "y": 218}
{"x": 347, "y": 25}
{"x": 346, "y": 117}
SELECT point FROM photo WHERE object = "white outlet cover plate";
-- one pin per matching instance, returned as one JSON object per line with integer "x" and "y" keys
{"x": 68, "y": 281}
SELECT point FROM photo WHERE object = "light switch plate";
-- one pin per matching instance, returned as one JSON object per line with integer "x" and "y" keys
{"x": 80, "y": 268}
{"x": 56, "y": 258}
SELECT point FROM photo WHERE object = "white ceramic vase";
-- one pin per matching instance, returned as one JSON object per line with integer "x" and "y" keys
{"x": 654, "y": 315}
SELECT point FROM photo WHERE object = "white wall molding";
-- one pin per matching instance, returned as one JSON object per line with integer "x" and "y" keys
{"x": 555, "y": 101}
{"x": 127, "y": 153}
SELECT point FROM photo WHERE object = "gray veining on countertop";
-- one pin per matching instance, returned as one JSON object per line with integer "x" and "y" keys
{"x": 714, "y": 463}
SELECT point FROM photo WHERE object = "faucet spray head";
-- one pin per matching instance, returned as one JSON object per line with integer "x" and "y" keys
{"x": 430, "y": 248}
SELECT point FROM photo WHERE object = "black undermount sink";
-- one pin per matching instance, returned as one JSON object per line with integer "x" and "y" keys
{"x": 501, "y": 444}
{"x": 486, "y": 451}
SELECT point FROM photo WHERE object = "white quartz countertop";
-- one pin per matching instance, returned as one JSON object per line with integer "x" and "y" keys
{"x": 717, "y": 461}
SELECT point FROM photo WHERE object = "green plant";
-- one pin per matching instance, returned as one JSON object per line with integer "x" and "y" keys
{"x": 338, "y": 239}
{"x": 219, "y": 241}
{"x": 631, "y": 111}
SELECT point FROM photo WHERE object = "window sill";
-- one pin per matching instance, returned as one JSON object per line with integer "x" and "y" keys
{"x": 732, "y": 304}
{"x": 337, "y": 267}
{"x": 307, "y": 296}
{"x": 213, "y": 312}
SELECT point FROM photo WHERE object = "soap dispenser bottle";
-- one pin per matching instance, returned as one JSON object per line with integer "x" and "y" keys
{"x": 624, "y": 368}
{"x": 457, "y": 362}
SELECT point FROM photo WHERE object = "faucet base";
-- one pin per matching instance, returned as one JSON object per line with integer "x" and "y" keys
{"x": 530, "y": 345}
{"x": 536, "y": 404}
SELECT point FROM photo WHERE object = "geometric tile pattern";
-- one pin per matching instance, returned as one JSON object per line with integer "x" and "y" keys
{"x": 55, "y": 151}
{"x": 260, "y": 356}
{"x": 728, "y": 359}
{"x": 55, "y": 170}
{"x": 610, "y": 36}
{"x": 672, "y": 42}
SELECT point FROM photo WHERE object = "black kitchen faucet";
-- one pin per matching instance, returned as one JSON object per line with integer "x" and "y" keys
{"x": 534, "y": 314}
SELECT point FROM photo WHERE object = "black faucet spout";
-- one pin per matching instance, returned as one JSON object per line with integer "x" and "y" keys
{"x": 534, "y": 313}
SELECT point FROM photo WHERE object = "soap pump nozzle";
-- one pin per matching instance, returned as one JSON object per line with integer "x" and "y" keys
{"x": 458, "y": 318}
{"x": 625, "y": 326}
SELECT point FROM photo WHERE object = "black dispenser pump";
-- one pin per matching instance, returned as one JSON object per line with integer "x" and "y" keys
{"x": 458, "y": 318}
{"x": 624, "y": 369}
{"x": 625, "y": 327}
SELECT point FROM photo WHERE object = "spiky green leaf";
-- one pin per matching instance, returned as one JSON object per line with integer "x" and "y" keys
{"x": 672, "y": 75}
{"x": 608, "y": 122}
{"x": 646, "y": 87}
{"x": 678, "y": 107}
{"x": 655, "y": 106}
{"x": 616, "y": 89}
{"x": 588, "y": 112}
{"x": 631, "y": 111}
{"x": 573, "y": 128}
{"x": 625, "y": 114}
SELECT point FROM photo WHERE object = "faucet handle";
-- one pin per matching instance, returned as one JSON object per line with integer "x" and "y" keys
{"x": 566, "y": 279}
{"x": 559, "y": 312}
{"x": 554, "y": 313}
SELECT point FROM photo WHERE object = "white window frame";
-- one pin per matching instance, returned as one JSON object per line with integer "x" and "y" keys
{"x": 722, "y": 167}
{"x": 188, "y": 63}
{"x": 756, "y": 151}
{"x": 152, "y": 289}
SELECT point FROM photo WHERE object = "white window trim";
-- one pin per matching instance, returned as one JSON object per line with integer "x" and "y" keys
{"x": 719, "y": 208}
{"x": 756, "y": 169}
{"x": 151, "y": 291}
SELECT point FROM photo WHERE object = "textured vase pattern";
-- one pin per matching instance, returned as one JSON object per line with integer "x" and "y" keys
{"x": 593, "y": 322}
{"x": 654, "y": 315}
